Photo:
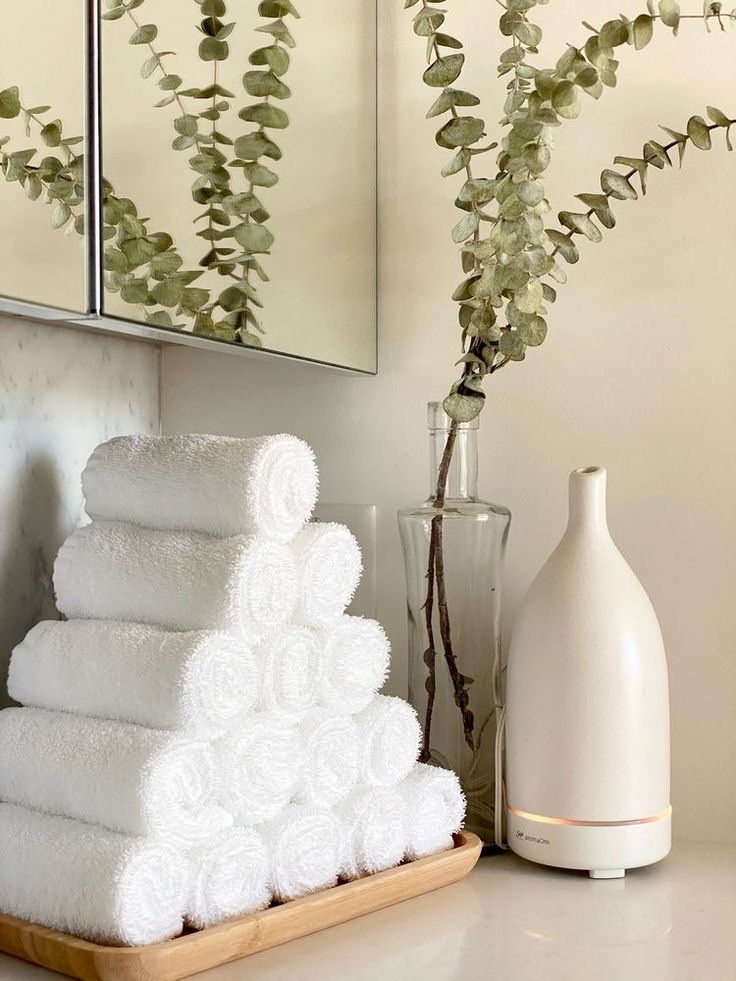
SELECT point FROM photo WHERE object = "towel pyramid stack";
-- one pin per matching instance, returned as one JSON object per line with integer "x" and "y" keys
{"x": 204, "y": 735}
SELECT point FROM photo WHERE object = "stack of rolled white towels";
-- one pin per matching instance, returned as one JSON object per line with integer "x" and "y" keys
{"x": 203, "y": 735}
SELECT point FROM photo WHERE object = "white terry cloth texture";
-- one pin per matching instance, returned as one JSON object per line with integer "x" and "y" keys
{"x": 197, "y": 681}
{"x": 260, "y": 765}
{"x": 330, "y": 566}
{"x": 435, "y": 809}
{"x": 231, "y": 876}
{"x": 287, "y": 659}
{"x": 114, "y": 571}
{"x": 306, "y": 845}
{"x": 353, "y": 662}
{"x": 123, "y": 777}
{"x": 389, "y": 735}
{"x": 375, "y": 831}
{"x": 330, "y": 757}
{"x": 100, "y": 885}
{"x": 222, "y": 486}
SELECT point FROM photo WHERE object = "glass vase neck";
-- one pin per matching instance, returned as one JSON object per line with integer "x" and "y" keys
{"x": 461, "y": 472}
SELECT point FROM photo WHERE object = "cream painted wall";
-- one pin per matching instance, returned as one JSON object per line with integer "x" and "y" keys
{"x": 638, "y": 373}
{"x": 61, "y": 393}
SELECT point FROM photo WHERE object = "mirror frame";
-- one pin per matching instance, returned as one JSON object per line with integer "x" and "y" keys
{"x": 95, "y": 319}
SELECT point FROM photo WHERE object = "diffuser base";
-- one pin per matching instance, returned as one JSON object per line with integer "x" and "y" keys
{"x": 603, "y": 850}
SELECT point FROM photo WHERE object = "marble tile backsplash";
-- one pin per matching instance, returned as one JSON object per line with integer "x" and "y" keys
{"x": 61, "y": 393}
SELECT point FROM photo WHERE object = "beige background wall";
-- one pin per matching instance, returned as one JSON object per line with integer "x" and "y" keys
{"x": 639, "y": 371}
{"x": 61, "y": 393}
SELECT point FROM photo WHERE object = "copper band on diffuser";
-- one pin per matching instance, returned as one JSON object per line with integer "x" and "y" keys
{"x": 541, "y": 819}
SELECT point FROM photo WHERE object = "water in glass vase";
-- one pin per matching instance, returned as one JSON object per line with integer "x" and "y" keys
{"x": 454, "y": 546}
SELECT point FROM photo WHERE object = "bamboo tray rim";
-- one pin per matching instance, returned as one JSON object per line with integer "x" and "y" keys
{"x": 241, "y": 936}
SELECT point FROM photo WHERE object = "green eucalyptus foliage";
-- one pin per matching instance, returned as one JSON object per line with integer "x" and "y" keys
{"x": 144, "y": 267}
{"x": 510, "y": 261}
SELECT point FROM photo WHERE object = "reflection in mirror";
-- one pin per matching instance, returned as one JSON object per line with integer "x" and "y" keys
{"x": 42, "y": 86}
{"x": 239, "y": 140}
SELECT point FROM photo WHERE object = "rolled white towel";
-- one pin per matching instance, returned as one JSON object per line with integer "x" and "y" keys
{"x": 330, "y": 566}
{"x": 354, "y": 656}
{"x": 231, "y": 876}
{"x": 260, "y": 764}
{"x": 265, "y": 486}
{"x": 375, "y": 831}
{"x": 388, "y": 740}
{"x": 123, "y": 777}
{"x": 330, "y": 748}
{"x": 198, "y": 681}
{"x": 287, "y": 659}
{"x": 435, "y": 809}
{"x": 112, "y": 571}
{"x": 306, "y": 845}
{"x": 96, "y": 884}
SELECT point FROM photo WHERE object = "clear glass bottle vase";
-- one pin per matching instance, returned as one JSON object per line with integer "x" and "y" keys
{"x": 454, "y": 545}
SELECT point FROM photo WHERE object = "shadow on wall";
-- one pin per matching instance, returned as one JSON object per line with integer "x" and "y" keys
{"x": 33, "y": 521}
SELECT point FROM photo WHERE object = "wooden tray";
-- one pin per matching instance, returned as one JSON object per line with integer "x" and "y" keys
{"x": 199, "y": 951}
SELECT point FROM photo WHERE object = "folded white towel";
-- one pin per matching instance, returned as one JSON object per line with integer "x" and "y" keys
{"x": 330, "y": 747}
{"x": 111, "y": 571}
{"x": 124, "y": 777}
{"x": 260, "y": 764}
{"x": 287, "y": 659}
{"x": 330, "y": 566}
{"x": 435, "y": 809}
{"x": 388, "y": 740}
{"x": 222, "y": 486}
{"x": 306, "y": 845}
{"x": 96, "y": 884}
{"x": 198, "y": 681}
{"x": 375, "y": 831}
{"x": 231, "y": 876}
{"x": 354, "y": 656}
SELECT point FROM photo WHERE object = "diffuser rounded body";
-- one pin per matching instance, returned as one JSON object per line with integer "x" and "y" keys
{"x": 588, "y": 782}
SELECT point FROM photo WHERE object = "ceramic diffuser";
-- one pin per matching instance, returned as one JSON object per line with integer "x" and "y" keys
{"x": 588, "y": 770}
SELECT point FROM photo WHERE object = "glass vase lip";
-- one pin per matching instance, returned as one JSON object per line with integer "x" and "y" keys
{"x": 439, "y": 421}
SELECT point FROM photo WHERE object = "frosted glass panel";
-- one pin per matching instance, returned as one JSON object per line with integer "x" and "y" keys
{"x": 42, "y": 69}
{"x": 319, "y": 300}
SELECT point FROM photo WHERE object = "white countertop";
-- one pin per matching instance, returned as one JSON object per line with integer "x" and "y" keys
{"x": 512, "y": 921}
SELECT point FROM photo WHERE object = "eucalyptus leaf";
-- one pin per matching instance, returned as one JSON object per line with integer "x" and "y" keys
{"x": 253, "y": 238}
{"x": 254, "y": 145}
{"x": 10, "y": 102}
{"x": 213, "y": 50}
{"x": 450, "y": 98}
{"x": 643, "y": 31}
{"x": 260, "y": 175}
{"x": 463, "y": 408}
{"x": 618, "y": 186}
{"x": 444, "y": 70}
{"x": 144, "y": 35}
{"x": 262, "y": 84}
{"x": 460, "y": 131}
{"x": 275, "y": 56}
{"x": 699, "y": 133}
{"x": 512, "y": 346}
{"x": 264, "y": 114}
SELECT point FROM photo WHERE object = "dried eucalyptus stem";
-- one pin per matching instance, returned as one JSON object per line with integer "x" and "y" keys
{"x": 507, "y": 255}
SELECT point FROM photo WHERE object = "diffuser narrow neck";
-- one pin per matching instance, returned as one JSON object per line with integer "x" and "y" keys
{"x": 587, "y": 496}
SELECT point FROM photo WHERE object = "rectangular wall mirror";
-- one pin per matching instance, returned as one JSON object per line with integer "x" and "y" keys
{"x": 235, "y": 163}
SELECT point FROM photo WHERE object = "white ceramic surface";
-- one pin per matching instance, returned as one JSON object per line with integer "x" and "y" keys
{"x": 61, "y": 393}
{"x": 588, "y": 704}
{"x": 514, "y": 921}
